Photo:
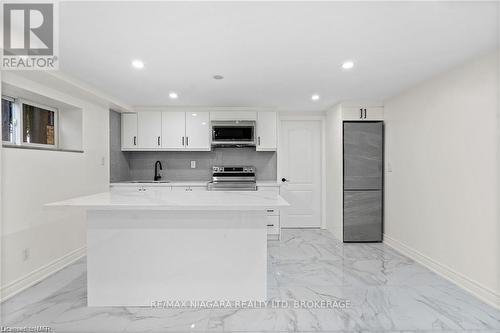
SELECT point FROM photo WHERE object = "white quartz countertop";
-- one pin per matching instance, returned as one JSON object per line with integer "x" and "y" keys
{"x": 262, "y": 183}
{"x": 168, "y": 200}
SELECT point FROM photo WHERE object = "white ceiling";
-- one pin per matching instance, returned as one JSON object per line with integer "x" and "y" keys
{"x": 272, "y": 54}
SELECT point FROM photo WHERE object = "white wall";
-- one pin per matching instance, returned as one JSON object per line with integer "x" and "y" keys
{"x": 334, "y": 171}
{"x": 31, "y": 178}
{"x": 441, "y": 196}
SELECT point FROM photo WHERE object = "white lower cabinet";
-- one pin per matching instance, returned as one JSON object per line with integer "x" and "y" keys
{"x": 273, "y": 227}
{"x": 189, "y": 188}
{"x": 273, "y": 215}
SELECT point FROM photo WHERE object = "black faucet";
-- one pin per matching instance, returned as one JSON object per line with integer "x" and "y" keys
{"x": 157, "y": 174}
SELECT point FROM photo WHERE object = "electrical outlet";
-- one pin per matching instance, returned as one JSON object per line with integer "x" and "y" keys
{"x": 103, "y": 160}
{"x": 26, "y": 254}
{"x": 193, "y": 164}
{"x": 389, "y": 167}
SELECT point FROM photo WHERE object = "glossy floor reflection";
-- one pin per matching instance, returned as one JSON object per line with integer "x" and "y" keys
{"x": 387, "y": 291}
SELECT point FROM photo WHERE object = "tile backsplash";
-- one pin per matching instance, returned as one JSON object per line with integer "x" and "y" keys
{"x": 177, "y": 165}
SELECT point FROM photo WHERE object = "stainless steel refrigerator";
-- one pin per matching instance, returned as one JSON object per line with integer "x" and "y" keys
{"x": 363, "y": 180}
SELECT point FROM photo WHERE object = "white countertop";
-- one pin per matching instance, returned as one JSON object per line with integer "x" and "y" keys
{"x": 167, "y": 200}
{"x": 261, "y": 183}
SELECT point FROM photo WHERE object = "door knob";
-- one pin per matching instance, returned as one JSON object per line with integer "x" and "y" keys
{"x": 284, "y": 180}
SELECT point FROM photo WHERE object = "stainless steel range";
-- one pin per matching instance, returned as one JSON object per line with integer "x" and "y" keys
{"x": 233, "y": 178}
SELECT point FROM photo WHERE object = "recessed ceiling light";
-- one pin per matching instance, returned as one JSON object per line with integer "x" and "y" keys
{"x": 348, "y": 64}
{"x": 173, "y": 95}
{"x": 218, "y": 77}
{"x": 315, "y": 97}
{"x": 137, "y": 64}
{"x": 194, "y": 114}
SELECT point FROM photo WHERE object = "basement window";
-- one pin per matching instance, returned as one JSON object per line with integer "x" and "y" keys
{"x": 28, "y": 124}
{"x": 38, "y": 125}
{"x": 8, "y": 120}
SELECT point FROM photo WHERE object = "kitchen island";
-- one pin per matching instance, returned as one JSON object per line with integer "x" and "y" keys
{"x": 145, "y": 247}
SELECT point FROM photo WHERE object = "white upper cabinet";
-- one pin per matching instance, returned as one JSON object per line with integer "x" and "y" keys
{"x": 363, "y": 113}
{"x": 129, "y": 131}
{"x": 173, "y": 130}
{"x": 266, "y": 131}
{"x": 197, "y": 131}
{"x": 149, "y": 130}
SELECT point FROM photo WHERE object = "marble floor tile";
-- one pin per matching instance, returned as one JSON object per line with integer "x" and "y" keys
{"x": 167, "y": 320}
{"x": 242, "y": 320}
{"x": 393, "y": 307}
{"x": 386, "y": 292}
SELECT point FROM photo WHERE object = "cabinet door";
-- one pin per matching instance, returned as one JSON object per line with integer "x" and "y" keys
{"x": 363, "y": 113}
{"x": 198, "y": 188}
{"x": 197, "y": 131}
{"x": 375, "y": 113}
{"x": 188, "y": 188}
{"x": 149, "y": 130}
{"x": 273, "y": 224}
{"x": 129, "y": 131}
{"x": 173, "y": 130}
{"x": 180, "y": 188}
{"x": 353, "y": 113}
{"x": 266, "y": 131}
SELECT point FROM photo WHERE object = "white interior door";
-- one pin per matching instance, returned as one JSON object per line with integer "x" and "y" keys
{"x": 300, "y": 164}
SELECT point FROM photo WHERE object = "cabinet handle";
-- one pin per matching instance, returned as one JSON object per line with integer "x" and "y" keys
{"x": 258, "y": 140}
{"x": 270, "y": 225}
{"x": 135, "y": 141}
{"x": 187, "y": 141}
{"x": 270, "y": 210}
{"x": 360, "y": 113}
{"x": 365, "y": 113}
{"x": 182, "y": 141}
{"x": 158, "y": 141}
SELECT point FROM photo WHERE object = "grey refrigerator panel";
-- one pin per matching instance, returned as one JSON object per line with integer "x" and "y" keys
{"x": 363, "y": 155}
{"x": 363, "y": 181}
{"x": 362, "y": 216}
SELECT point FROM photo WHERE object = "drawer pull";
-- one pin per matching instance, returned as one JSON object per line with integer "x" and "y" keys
{"x": 270, "y": 210}
{"x": 270, "y": 225}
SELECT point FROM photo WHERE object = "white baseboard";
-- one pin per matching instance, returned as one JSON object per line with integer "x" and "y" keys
{"x": 39, "y": 274}
{"x": 475, "y": 288}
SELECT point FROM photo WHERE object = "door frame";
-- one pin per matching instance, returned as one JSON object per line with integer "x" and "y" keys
{"x": 322, "y": 120}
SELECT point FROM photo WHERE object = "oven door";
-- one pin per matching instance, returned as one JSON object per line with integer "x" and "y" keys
{"x": 233, "y": 133}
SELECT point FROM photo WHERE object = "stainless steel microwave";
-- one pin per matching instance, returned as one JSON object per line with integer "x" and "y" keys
{"x": 233, "y": 133}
